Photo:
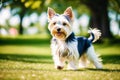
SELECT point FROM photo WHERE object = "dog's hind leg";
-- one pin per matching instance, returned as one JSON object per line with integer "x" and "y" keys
{"x": 83, "y": 61}
{"x": 93, "y": 57}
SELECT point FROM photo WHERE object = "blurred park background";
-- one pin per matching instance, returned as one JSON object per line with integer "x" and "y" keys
{"x": 30, "y": 17}
{"x": 25, "y": 40}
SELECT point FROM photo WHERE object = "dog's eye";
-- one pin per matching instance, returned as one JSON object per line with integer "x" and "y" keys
{"x": 64, "y": 24}
{"x": 54, "y": 23}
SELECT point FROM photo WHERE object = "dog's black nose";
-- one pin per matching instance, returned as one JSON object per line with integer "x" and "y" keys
{"x": 58, "y": 29}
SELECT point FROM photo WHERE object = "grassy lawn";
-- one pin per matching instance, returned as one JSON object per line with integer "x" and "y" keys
{"x": 29, "y": 58}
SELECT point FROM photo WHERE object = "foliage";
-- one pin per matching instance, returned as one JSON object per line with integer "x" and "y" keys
{"x": 99, "y": 17}
{"x": 23, "y": 8}
{"x": 114, "y": 5}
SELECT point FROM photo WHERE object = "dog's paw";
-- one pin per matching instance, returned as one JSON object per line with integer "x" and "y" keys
{"x": 59, "y": 67}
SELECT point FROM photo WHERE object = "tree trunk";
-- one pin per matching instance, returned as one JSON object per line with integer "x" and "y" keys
{"x": 21, "y": 27}
{"x": 22, "y": 14}
{"x": 99, "y": 16}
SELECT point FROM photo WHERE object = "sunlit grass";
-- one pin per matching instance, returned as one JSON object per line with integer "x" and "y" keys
{"x": 25, "y": 50}
{"x": 109, "y": 49}
{"x": 29, "y": 58}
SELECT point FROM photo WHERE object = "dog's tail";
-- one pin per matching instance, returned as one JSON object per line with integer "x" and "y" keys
{"x": 94, "y": 34}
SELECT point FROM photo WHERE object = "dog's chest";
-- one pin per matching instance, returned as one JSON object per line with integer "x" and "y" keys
{"x": 68, "y": 49}
{"x": 63, "y": 50}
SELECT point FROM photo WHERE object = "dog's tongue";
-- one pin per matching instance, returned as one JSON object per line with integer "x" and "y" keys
{"x": 59, "y": 33}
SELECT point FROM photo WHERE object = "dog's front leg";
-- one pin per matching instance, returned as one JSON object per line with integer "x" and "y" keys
{"x": 72, "y": 65}
{"x": 59, "y": 63}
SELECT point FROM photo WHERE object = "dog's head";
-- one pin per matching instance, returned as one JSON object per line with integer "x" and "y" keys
{"x": 60, "y": 25}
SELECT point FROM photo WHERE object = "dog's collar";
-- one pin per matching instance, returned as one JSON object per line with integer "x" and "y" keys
{"x": 71, "y": 37}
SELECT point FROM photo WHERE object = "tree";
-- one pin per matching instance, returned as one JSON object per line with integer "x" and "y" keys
{"x": 99, "y": 16}
{"x": 23, "y": 8}
{"x": 98, "y": 10}
{"x": 114, "y": 7}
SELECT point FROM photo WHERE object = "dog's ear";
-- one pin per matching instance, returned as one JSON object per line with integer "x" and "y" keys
{"x": 50, "y": 13}
{"x": 69, "y": 12}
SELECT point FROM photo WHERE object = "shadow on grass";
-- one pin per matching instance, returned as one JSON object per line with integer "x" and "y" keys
{"x": 27, "y": 58}
{"x": 94, "y": 69}
{"x": 105, "y": 70}
{"x": 9, "y": 41}
{"x": 114, "y": 59}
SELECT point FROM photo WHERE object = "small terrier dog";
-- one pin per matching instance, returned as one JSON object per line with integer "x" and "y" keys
{"x": 68, "y": 48}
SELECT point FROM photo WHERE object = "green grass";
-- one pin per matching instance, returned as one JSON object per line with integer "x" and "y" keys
{"x": 29, "y": 58}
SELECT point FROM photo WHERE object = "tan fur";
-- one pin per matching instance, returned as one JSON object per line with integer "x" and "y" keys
{"x": 83, "y": 62}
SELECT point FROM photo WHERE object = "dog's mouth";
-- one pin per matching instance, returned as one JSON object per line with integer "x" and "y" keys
{"x": 59, "y": 33}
